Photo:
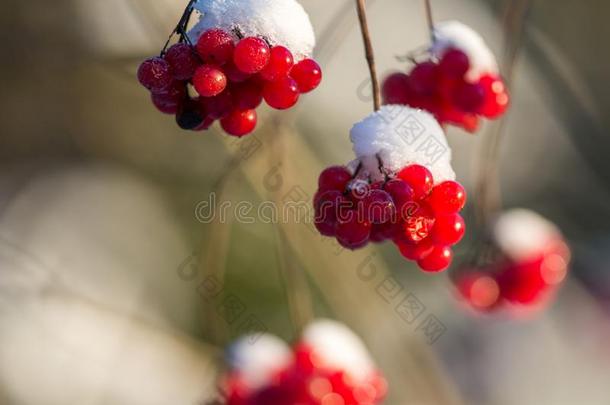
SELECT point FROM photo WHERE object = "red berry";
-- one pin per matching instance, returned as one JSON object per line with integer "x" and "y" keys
{"x": 418, "y": 225}
{"x": 378, "y": 207}
{"x": 215, "y": 46}
{"x": 182, "y": 60}
{"x": 280, "y": 63}
{"x": 480, "y": 290}
{"x": 447, "y": 198}
{"x": 396, "y": 89}
{"x": 189, "y": 115}
{"x": 307, "y": 74}
{"x": 282, "y": 93}
{"x": 248, "y": 95}
{"x": 419, "y": 178}
{"x": 439, "y": 259}
{"x": 251, "y": 55}
{"x": 353, "y": 233}
{"x": 384, "y": 231}
{"x": 234, "y": 74}
{"x": 327, "y": 207}
{"x": 209, "y": 81}
{"x": 219, "y": 106}
{"x": 402, "y": 195}
{"x": 155, "y": 74}
{"x": 469, "y": 97}
{"x": 496, "y": 98}
{"x": 334, "y": 178}
{"x": 239, "y": 122}
{"x": 169, "y": 101}
{"x": 454, "y": 64}
{"x": 423, "y": 79}
{"x": 415, "y": 251}
{"x": 448, "y": 229}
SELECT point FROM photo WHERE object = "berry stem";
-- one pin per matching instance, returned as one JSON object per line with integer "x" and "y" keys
{"x": 182, "y": 25}
{"x": 370, "y": 55}
{"x": 430, "y": 18}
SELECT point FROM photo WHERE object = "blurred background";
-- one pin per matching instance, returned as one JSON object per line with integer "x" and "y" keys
{"x": 103, "y": 249}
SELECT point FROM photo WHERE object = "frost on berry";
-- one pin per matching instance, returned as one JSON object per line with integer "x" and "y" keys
{"x": 401, "y": 136}
{"x": 280, "y": 22}
{"x": 155, "y": 74}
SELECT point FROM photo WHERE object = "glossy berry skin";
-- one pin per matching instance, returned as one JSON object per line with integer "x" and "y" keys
{"x": 419, "y": 178}
{"x": 239, "y": 122}
{"x": 447, "y": 197}
{"x": 327, "y": 205}
{"x": 353, "y": 233}
{"x": 424, "y": 78}
{"x": 307, "y": 74}
{"x": 448, "y": 229}
{"x": 419, "y": 224}
{"x": 209, "y": 81}
{"x": 469, "y": 97}
{"x": 251, "y": 55}
{"x": 401, "y": 193}
{"x": 280, "y": 63}
{"x": 334, "y": 178}
{"x": 219, "y": 106}
{"x": 496, "y": 98}
{"x": 454, "y": 64}
{"x": 378, "y": 207}
{"x": 415, "y": 251}
{"x": 395, "y": 89}
{"x": 189, "y": 116}
{"x": 439, "y": 259}
{"x": 282, "y": 93}
{"x": 169, "y": 101}
{"x": 182, "y": 60}
{"x": 215, "y": 47}
{"x": 234, "y": 74}
{"x": 155, "y": 74}
{"x": 248, "y": 95}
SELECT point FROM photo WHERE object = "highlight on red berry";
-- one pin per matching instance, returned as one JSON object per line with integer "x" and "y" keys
{"x": 458, "y": 82}
{"x": 529, "y": 260}
{"x": 420, "y": 217}
{"x": 223, "y": 76}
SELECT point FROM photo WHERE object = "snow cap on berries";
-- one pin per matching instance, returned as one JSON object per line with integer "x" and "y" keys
{"x": 339, "y": 348}
{"x": 522, "y": 234}
{"x": 456, "y": 35}
{"x": 257, "y": 358}
{"x": 281, "y": 22}
{"x": 401, "y": 136}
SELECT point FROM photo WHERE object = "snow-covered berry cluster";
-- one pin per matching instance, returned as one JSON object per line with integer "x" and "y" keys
{"x": 395, "y": 190}
{"x": 458, "y": 82}
{"x": 234, "y": 65}
{"x": 531, "y": 263}
{"x": 329, "y": 365}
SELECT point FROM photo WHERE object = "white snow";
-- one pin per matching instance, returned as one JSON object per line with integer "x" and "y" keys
{"x": 402, "y": 136}
{"x": 339, "y": 348}
{"x": 522, "y": 234}
{"x": 454, "y": 34}
{"x": 281, "y": 22}
{"x": 258, "y": 358}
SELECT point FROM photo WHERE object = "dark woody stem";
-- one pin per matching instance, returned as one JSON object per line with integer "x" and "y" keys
{"x": 370, "y": 56}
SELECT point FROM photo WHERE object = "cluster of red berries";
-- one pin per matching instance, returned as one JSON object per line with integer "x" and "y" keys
{"x": 308, "y": 381}
{"x": 219, "y": 79}
{"x": 422, "y": 219}
{"x": 443, "y": 90}
{"x": 515, "y": 285}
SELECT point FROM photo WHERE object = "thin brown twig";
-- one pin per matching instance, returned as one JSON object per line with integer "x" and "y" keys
{"x": 368, "y": 49}
{"x": 430, "y": 18}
